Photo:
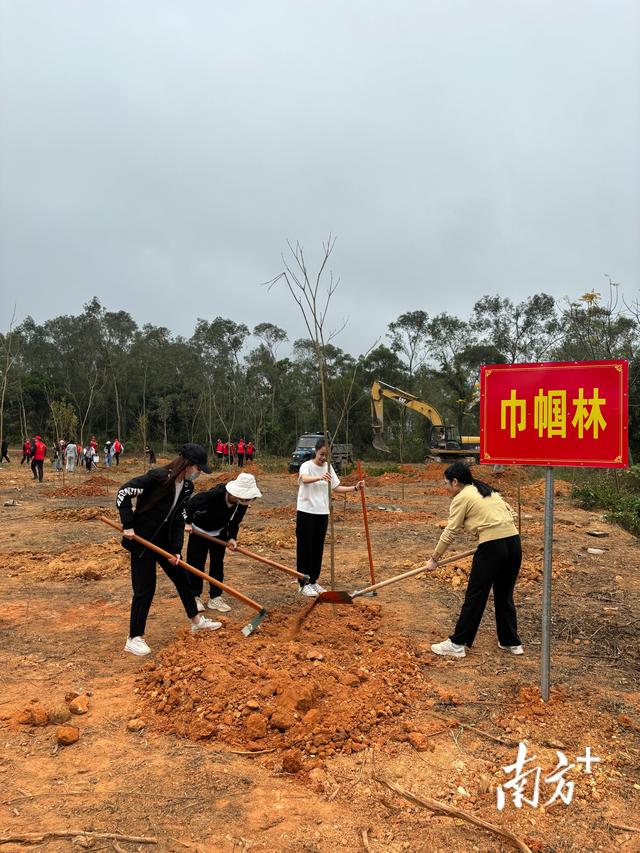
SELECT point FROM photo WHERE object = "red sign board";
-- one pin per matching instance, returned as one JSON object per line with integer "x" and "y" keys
{"x": 555, "y": 413}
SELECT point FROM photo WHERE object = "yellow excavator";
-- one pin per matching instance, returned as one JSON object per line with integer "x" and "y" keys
{"x": 445, "y": 442}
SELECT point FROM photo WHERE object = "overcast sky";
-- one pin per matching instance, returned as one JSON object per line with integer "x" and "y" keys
{"x": 159, "y": 154}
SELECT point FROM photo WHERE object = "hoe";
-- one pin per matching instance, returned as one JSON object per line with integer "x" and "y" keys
{"x": 250, "y": 627}
{"x": 247, "y": 553}
{"x": 340, "y": 596}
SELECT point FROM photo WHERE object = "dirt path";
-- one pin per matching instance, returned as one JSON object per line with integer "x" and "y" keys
{"x": 353, "y": 695}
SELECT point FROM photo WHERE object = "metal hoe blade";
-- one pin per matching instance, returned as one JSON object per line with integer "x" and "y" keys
{"x": 335, "y": 596}
{"x": 251, "y": 626}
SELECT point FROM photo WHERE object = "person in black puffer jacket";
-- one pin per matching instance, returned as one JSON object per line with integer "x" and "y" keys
{"x": 218, "y": 512}
{"x": 160, "y": 495}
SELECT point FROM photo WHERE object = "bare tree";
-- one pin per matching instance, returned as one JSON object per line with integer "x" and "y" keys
{"x": 65, "y": 423}
{"x": 95, "y": 382}
{"x": 313, "y": 303}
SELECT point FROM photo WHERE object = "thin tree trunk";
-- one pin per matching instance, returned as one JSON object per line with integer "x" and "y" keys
{"x": 5, "y": 373}
{"x": 118, "y": 418}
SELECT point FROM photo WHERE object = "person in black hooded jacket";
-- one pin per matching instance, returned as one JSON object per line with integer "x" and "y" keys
{"x": 218, "y": 512}
{"x": 160, "y": 495}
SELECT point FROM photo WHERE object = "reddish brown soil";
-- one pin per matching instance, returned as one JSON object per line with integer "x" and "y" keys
{"x": 274, "y": 742}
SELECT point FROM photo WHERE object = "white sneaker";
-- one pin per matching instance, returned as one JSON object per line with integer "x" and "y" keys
{"x": 218, "y": 603}
{"x": 137, "y": 646}
{"x": 318, "y": 588}
{"x": 199, "y": 604}
{"x": 205, "y": 625}
{"x": 309, "y": 590}
{"x": 448, "y": 649}
{"x": 515, "y": 650}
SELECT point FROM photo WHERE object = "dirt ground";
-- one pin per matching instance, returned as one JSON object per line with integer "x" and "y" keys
{"x": 298, "y": 737}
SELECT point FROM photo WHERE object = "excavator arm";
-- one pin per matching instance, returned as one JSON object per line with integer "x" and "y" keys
{"x": 446, "y": 444}
{"x": 380, "y": 390}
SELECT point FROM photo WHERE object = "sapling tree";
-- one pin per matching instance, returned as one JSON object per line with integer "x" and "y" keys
{"x": 8, "y": 358}
{"x": 313, "y": 299}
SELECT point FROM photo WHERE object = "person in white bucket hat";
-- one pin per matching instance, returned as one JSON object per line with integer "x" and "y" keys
{"x": 218, "y": 512}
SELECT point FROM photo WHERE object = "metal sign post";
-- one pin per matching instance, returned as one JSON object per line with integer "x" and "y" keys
{"x": 551, "y": 414}
{"x": 545, "y": 662}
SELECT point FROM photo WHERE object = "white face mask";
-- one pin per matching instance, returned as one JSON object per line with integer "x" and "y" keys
{"x": 194, "y": 475}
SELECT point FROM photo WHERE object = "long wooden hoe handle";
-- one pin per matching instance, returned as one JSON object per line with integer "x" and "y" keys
{"x": 413, "y": 572}
{"x": 234, "y": 592}
{"x": 251, "y": 554}
{"x": 366, "y": 526}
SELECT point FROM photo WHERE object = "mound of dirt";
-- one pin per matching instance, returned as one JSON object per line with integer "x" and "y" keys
{"x": 75, "y": 514}
{"x": 102, "y": 479}
{"x": 261, "y": 538}
{"x": 534, "y": 492}
{"x": 92, "y": 563}
{"x": 336, "y": 688}
{"x": 88, "y": 489}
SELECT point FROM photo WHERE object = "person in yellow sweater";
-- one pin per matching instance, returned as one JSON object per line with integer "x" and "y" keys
{"x": 480, "y": 510}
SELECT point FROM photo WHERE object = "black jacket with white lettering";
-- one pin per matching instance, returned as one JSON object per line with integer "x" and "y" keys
{"x": 210, "y": 511}
{"x": 155, "y": 517}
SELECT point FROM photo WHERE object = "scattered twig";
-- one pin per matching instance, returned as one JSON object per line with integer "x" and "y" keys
{"x": 247, "y": 751}
{"x": 450, "y": 811}
{"x": 590, "y": 656}
{"x": 455, "y": 740}
{"x": 334, "y": 794}
{"x": 365, "y": 840}
{"x": 624, "y": 827}
{"x": 501, "y": 740}
{"x": 439, "y": 732}
{"x": 393, "y": 809}
{"x": 35, "y": 838}
{"x": 504, "y": 741}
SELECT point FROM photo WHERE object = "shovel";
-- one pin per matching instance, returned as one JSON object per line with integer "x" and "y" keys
{"x": 250, "y": 627}
{"x": 253, "y": 555}
{"x": 340, "y": 596}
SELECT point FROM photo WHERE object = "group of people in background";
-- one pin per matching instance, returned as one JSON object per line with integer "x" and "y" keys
{"x": 230, "y": 452}
{"x": 66, "y": 454}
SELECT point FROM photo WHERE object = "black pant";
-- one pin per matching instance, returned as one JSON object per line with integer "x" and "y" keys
{"x": 25, "y": 456}
{"x": 4, "y": 456}
{"x": 37, "y": 466}
{"x": 495, "y": 564}
{"x": 197, "y": 552}
{"x": 116, "y": 456}
{"x": 143, "y": 581}
{"x": 240, "y": 460}
{"x": 311, "y": 530}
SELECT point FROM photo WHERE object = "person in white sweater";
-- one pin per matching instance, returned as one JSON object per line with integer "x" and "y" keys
{"x": 312, "y": 516}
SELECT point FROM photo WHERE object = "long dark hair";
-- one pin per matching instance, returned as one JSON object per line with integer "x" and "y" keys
{"x": 462, "y": 473}
{"x": 167, "y": 476}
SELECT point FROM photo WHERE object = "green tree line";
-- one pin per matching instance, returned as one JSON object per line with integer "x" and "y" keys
{"x": 99, "y": 373}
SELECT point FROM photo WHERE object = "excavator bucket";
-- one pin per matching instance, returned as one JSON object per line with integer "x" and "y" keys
{"x": 379, "y": 442}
